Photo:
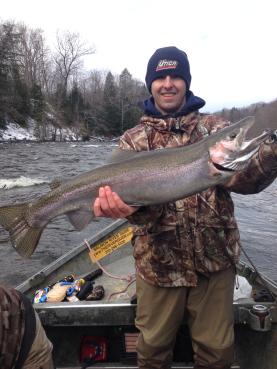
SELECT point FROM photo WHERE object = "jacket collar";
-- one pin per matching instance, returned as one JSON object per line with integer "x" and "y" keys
{"x": 193, "y": 103}
{"x": 185, "y": 123}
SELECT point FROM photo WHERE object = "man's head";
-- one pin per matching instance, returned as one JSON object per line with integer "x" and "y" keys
{"x": 168, "y": 61}
{"x": 168, "y": 79}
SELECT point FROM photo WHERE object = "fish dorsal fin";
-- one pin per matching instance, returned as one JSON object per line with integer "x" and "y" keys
{"x": 119, "y": 155}
{"x": 80, "y": 218}
{"x": 55, "y": 184}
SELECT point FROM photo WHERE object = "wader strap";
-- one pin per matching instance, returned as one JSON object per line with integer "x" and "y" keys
{"x": 29, "y": 332}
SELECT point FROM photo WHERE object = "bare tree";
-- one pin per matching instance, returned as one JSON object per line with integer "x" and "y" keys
{"x": 68, "y": 57}
{"x": 34, "y": 56}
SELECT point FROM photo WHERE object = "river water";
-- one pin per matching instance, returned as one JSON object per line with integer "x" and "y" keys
{"x": 26, "y": 169}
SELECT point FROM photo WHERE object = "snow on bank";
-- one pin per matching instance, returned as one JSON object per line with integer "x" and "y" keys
{"x": 15, "y": 132}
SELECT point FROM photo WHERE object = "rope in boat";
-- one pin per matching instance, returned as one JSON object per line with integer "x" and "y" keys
{"x": 130, "y": 278}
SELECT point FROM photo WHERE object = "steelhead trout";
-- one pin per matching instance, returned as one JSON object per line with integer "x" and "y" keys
{"x": 140, "y": 179}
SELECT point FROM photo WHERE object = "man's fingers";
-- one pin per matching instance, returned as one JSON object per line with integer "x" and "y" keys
{"x": 97, "y": 208}
{"x": 109, "y": 204}
{"x": 106, "y": 203}
{"x": 122, "y": 207}
{"x": 112, "y": 206}
{"x": 99, "y": 203}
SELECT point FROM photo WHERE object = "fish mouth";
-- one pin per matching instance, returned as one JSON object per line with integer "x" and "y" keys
{"x": 239, "y": 159}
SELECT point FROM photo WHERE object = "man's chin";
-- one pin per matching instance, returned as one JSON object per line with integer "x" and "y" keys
{"x": 169, "y": 109}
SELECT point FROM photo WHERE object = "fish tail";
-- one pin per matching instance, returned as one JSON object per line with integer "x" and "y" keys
{"x": 24, "y": 238}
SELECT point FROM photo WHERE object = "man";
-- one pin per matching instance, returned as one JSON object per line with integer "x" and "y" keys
{"x": 23, "y": 343}
{"x": 185, "y": 252}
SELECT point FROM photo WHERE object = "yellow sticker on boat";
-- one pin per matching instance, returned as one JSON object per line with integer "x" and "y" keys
{"x": 112, "y": 243}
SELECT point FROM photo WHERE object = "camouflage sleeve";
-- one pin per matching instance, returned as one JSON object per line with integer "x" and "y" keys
{"x": 260, "y": 173}
{"x": 214, "y": 123}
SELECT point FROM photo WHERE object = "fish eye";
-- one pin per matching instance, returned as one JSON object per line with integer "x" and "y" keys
{"x": 233, "y": 135}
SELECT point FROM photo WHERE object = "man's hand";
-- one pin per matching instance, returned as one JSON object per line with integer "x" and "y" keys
{"x": 110, "y": 205}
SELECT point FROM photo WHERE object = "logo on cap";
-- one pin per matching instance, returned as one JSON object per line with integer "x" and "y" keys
{"x": 166, "y": 64}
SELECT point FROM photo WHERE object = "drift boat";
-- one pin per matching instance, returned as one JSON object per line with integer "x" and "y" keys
{"x": 102, "y": 333}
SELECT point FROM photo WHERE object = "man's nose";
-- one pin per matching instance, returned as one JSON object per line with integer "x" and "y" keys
{"x": 168, "y": 82}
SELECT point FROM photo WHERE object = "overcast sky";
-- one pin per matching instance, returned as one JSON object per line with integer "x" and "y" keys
{"x": 231, "y": 44}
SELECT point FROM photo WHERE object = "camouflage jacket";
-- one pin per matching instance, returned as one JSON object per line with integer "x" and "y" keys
{"x": 174, "y": 242}
{"x": 14, "y": 343}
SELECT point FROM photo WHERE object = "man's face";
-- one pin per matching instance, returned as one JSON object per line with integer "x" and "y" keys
{"x": 169, "y": 94}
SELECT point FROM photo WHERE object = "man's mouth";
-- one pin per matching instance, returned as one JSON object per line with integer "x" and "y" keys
{"x": 168, "y": 95}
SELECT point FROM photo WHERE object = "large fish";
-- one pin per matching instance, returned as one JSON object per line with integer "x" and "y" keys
{"x": 146, "y": 178}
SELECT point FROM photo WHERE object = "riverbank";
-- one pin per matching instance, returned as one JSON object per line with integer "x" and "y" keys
{"x": 15, "y": 133}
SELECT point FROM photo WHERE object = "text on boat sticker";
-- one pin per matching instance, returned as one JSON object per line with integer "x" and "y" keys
{"x": 112, "y": 243}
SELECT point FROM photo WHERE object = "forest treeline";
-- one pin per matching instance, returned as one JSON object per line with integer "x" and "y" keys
{"x": 52, "y": 87}
{"x": 265, "y": 115}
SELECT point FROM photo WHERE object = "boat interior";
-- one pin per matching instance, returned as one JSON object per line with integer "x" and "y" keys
{"x": 102, "y": 333}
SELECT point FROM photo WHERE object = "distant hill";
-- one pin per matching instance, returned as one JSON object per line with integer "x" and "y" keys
{"x": 265, "y": 115}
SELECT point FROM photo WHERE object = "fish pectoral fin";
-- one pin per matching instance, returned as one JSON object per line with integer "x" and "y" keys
{"x": 80, "y": 218}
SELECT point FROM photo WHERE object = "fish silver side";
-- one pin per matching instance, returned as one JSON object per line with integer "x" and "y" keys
{"x": 140, "y": 179}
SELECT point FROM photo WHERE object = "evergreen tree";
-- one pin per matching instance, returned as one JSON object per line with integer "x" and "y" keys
{"x": 132, "y": 93}
{"x": 76, "y": 103}
{"x": 125, "y": 83}
{"x": 8, "y": 64}
{"x": 76, "y": 111}
{"x": 21, "y": 96}
{"x": 111, "y": 109}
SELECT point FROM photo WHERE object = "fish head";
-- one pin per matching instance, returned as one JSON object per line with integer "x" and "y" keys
{"x": 234, "y": 152}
